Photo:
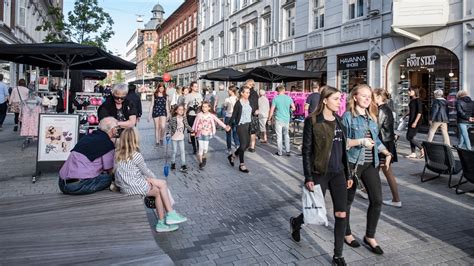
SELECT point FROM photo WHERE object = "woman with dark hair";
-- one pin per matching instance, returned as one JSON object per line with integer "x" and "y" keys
{"x": 159, "y": 111}
{"x": 323, "y": 134}
{"x": 364, "y": 147}
{"x": 414, "y": 116}
{"x": 387, "y": 136}
{"x": 241, "y": 117}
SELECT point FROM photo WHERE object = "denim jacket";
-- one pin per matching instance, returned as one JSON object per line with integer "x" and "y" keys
{"x": 355, "y": 127}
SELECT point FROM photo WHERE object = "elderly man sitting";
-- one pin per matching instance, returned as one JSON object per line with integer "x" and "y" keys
{"x": 88, "y": 168}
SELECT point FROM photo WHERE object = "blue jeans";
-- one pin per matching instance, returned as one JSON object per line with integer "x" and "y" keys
{"x": 231, "y": 134}
{"x": 464, "y": 135}
{"x": 178, "y": 144}
{"x": 86, "y": 186}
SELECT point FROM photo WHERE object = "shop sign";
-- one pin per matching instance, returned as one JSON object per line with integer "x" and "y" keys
{"x": 419, "y": 61}
{"x": 293, "y": 65}
{"x": 315, "y": 54}
{"x": 352, "y": 61}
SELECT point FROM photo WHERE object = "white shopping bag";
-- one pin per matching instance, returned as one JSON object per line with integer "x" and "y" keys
{"x": 314, "y": 207}
{"x": 403, "y": 123}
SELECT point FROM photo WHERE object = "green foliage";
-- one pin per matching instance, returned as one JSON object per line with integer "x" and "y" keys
{"x": 160, "y": 63}
{"x": 119, "y": 76}
{"x": 87, "y": 24}
{"x": 56, "y": 29}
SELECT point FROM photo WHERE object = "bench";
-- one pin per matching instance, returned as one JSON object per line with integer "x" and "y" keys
{"x": 101, "y": 228}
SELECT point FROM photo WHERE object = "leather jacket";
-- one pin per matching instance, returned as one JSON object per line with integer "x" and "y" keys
{"x": 463, "y": 108}
{"x": 385, "y": 123}
{"x": 439, "y": 111}
{"x": 317, "y": 145}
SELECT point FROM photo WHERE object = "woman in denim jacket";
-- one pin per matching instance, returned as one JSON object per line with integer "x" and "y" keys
{"x": 364, "y": 146}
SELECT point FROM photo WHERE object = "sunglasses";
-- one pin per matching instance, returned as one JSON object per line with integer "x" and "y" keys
{"x": 119, "y": 98}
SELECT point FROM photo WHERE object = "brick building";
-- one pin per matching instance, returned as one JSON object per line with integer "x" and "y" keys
{"x": 147, "y": 43}
{"x": 179, "y": 31}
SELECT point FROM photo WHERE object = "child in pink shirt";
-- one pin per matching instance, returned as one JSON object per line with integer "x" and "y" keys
{"x": 205, "y": 128}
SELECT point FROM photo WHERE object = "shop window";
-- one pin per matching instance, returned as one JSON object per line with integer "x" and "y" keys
{"x": 427, "y": 69}
{"x": 352, "y": 70}
{"x": 318, "y": 65}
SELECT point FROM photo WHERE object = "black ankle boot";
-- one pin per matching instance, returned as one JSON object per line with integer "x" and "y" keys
{"x": 15, "y": 128}
{"x": 338, "y": 261}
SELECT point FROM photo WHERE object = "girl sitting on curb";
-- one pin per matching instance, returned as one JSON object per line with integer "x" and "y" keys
{"x": 176, "y": 126}
{"x": 205, "y": 128}
{"x": 134, "y": 178}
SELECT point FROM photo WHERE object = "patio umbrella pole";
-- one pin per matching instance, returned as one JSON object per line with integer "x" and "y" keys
{"x": 67, "y": 90}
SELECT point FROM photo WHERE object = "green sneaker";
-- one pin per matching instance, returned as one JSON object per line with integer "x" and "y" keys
{"x": 173, "y": 217}
{"x": 161, "y": 227}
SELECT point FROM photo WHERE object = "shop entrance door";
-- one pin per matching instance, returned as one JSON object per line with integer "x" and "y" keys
{"x": 421, "y": 79}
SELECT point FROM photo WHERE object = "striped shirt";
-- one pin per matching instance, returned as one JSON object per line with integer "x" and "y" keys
{"x": 131, "y": 175}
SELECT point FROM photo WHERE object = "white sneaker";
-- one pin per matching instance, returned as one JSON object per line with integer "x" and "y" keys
{"x": 114, "y": 187}
{"x": 362, "y": 194}
{"x": 393, "y": 203}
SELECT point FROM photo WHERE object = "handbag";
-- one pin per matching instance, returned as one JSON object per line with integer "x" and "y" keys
{"x": 314, "y": 207}
{"x": 354, "y": 175}
{"x": 150, "y": 201}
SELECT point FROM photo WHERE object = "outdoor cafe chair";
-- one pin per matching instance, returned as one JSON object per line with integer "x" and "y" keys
{"x": 440, "y": 159}
{"x": 467, "y": 158}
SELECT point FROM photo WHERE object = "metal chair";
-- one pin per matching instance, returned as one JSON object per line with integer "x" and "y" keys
{"x": 467, "y": 158}
{"x": 439, "y": 159}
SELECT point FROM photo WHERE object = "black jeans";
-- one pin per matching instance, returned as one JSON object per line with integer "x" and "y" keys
{"x": 3, "y": 112}
{"x": 17, "y": 116}
{"x": 411, "y": 133}
{"x": 243, "y": 131}
{"x": 371, "y": 179}
{"x": 336, "y": 182}
{"x": 191, "y": 119}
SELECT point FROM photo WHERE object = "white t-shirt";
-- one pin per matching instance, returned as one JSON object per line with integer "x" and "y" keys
{"x": 193, "y": 101}
{"x": 229, "y": 105}
{"x": 172, "y": 96}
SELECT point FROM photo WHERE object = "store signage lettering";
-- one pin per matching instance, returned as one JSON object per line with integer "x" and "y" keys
{"x": 418, "y": 61}
{"x": 315, "y": 54}
{"x": 354, "y": 61}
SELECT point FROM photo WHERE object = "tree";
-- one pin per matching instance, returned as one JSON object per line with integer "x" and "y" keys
{"x": 119, "y": 76}
{"x": 160, "y": 63}
{"x": 87, "y": 24}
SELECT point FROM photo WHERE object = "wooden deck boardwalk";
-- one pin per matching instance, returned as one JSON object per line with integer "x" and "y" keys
{"x": 101, "y": 229}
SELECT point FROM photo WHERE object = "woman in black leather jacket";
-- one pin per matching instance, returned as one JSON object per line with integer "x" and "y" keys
{"x": 325, "y": 163}
{"x": 387, "y": 136}
{"x": 465, "y": 117}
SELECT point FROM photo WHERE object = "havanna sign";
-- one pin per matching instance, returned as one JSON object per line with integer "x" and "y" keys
{"x": 352, "y": 61}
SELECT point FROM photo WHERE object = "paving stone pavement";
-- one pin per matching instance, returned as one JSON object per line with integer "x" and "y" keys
{"x": 242, "y": 219}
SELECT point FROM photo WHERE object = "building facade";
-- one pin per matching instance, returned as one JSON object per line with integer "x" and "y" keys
{"x": 18, "y": 21}
{"x": 179, "y": 33}
{"x": 131, "y": 55}
{"x": 388, "y": 43}
{"x": 147, "y": 43}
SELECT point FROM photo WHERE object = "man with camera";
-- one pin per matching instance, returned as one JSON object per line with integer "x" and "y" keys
{"x": 88, "y": 168}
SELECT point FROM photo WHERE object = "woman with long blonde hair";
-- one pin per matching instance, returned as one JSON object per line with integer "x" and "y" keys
{"x": 360, "y": 123}
{"x": 133, "y": 177}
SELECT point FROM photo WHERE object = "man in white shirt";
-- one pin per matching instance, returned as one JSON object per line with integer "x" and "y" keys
{"x": 3, "y": 100}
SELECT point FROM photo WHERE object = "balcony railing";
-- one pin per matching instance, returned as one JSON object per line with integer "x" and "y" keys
{"x": 242, "y": 57}
{"x": 232, "y": 59}
{"x": 287, "y": 47}
{"x": 266, "y": 51}
{"x": 252, "y": 55}
{"x": 315, "y": 40}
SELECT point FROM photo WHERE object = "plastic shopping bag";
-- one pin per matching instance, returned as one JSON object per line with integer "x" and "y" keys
{"x": 403, "y": 123}
{"x": 314, "y": 207}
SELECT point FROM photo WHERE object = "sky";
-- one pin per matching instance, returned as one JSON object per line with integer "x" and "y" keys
{"x": 124, "y": 14}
